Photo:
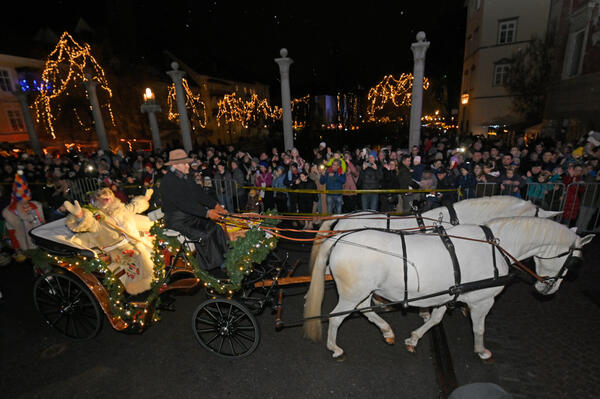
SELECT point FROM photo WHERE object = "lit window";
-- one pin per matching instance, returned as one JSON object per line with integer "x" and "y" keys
{"x": 5, "y": 84}
{"x": 16, "y": 122}
{"x": 464, "y": 99}
{"x": 501, "y": 74}
{"x": 507, "y": 31}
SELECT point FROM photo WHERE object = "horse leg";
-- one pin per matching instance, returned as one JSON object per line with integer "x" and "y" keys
{"x": 334, "y": 324}
{"x": 386, "y": 330}
{"x": 436, "y": 316}
{"x": 479, "y": 311}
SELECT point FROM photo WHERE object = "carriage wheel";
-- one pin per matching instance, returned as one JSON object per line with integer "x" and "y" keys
{"x": 67, "y": 305}
{"x": 226, "y": 328}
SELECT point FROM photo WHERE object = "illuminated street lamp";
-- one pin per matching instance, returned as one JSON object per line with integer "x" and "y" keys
{"x": 150, "y": 107}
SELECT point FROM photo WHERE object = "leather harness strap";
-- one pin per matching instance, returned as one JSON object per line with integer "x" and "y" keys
{"x": 405, "y": 263}
{"x": 419, "y": 218}
{"x": 455, "y": 265}
{"x": 453, "y": 216}
{"x": 537, "y": 211}
{"x": 490, "y": 237}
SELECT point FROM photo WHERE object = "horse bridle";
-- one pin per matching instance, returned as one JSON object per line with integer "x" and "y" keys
{"x": 570, "y": 263}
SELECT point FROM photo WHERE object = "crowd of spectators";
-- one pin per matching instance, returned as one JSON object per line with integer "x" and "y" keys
{"x": 541, "y": 171}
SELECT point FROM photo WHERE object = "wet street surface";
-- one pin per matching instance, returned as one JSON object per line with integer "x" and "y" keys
{"x": 543, "y": 348}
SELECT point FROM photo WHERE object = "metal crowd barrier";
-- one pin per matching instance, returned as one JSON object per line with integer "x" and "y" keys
{"x": 80, "y": 189}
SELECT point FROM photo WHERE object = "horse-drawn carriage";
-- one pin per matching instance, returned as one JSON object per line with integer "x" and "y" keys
{"x": 75, "y": 291}
{"x": 76, "y": 287}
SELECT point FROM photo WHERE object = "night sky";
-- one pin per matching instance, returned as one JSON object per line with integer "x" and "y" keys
{"x": 335, "y": 45}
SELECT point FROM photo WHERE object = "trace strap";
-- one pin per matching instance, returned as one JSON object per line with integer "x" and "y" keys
{"x": 450, "y": 247}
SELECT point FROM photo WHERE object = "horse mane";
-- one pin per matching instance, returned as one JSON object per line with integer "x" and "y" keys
{"x": 545, "y": 231}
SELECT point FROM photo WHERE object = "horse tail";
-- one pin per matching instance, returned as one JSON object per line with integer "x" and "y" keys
{"x": 314, "y": 298}
{"x": 325, "y": 226}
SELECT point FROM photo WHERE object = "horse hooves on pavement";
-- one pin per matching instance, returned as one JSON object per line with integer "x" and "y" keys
{"x": 341, "y": 358}
{"x": 486, "y": 356}
{"x": 390, "y": 340}
{"x": 411, "y": 348}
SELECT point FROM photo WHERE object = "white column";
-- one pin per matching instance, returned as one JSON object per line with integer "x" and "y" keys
{"x": 184, "y": 123}
{"x": 286, "y": 99}
{"x": 419, "y": 49}
{"x": 90, "y": 85}
{"x": 33, "y": 138}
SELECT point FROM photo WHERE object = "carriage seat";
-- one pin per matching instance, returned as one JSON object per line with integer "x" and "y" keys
{"x": 189, "y": 243}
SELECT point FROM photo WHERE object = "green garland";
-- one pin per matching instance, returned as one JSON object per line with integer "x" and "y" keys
{"x": 250, "y": 249}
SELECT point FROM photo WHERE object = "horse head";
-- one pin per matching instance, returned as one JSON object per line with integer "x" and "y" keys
{"x": 555, "y": 262}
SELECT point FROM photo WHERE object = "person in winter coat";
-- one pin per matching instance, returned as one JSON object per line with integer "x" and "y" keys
{"x": 370, "y": 178}
{"x": 350, "y": 201}
{"x": 334, "y": 179}
{"x": 264, "y": 179}
{"x": 305, "y": 201}
{"x": 238, "y": 177}
{"x": 466, "y": 182}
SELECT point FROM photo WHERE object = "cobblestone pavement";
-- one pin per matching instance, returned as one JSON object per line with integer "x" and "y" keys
{"x": 544, "y": 347}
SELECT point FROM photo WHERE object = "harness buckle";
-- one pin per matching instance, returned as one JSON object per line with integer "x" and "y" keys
{"x": 438, "y": 223}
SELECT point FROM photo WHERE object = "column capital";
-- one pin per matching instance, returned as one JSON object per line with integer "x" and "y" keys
{"x": 419, "y": 48}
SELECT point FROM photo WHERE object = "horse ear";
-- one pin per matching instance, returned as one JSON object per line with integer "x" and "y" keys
{"x": 548, "y": 214}
{"x": 586, "y": 240}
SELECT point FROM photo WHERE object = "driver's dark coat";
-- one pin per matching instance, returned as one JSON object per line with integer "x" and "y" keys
{"x": 185, "y": 206}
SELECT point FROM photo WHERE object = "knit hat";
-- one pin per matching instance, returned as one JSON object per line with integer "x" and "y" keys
{"x": 264, "y": 163}
{"x": 374, "y": 153}
{"x": 322, "y": 144}
{"x": 20, "y": 190}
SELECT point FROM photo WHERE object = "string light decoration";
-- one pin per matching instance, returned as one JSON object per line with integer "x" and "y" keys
{"x": 397, "y": 91}
{"x": 193, "y": 102}
{"x": 300, "y": 112}
{"x": 64, "y": 71}
{"x": 234, "y": 109}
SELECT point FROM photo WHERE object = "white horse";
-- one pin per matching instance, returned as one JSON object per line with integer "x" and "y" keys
{"x": 371, "y": 262}
{"x": 470, "y": 211}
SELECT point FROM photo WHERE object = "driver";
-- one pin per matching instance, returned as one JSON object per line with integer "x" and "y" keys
{"x": 192, "y": 212}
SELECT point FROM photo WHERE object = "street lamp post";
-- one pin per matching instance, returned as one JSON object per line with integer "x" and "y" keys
{"x": 184, "y": 123}
{"x": 150, "y": 107}
{"x": 286, "y": 99}
{"x": 90, "y": 85}
{"x": 419, "y": 48}
{"x": 33, "y": 138}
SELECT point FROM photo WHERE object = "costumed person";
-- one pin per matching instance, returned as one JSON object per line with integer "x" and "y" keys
{"x": 119, "y": 232}
{"x": 22, "y": 215}
{"x": 192, "y": 212}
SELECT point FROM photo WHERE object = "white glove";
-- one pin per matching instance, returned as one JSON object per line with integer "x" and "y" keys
{"x": 148, "y": 194}
{"x": 74, "y": 209}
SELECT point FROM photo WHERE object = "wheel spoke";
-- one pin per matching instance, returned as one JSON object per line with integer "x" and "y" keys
{"x": 239, "y": 318}
{"x": 245, "y": 328}
{"x": 230, "y": 310}
{"x": 240, "y": 343}
{"x": 211, "y": 314}
{"x": 221, "y": 344}
{"x": 212, "y": 339}
{"x": 53, "y": 323}
{"x": 46, "y": 302}
{"x": 231, "y": 345}
{"x": 206, "y": 330}
{"x": 75, "y": 326}
{"x": 251, "y": 339}
{"x": 205, "y": 321}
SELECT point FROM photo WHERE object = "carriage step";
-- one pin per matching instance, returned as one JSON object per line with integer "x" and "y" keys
{"x": 184, "y": 283}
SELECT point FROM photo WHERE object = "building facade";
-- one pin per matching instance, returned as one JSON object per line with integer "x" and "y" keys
{"x": 573, "y": 103}
{"x": 15, "y": 72}
{"x": 496, "y": 29}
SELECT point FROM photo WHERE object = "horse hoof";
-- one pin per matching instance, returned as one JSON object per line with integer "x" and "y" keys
{"x": 411, "y": 348}
{"x": 485, "y": 355}
{"x": 425, "y": 316}
{"x": 341, "y": 358}
{"x": 390, "y": 340}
